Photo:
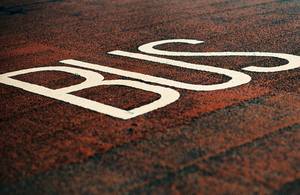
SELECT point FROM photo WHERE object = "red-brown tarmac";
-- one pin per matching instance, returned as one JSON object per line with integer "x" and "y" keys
{"x": 239, "y": 140}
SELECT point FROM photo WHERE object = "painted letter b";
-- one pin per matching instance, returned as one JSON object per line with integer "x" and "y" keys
{"x": 93, "y": 79}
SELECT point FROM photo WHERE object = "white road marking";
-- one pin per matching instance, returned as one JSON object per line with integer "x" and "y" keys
{"x": 92, "y": 79}
{"x": 237, "y": 78}
{"x": 294, "y": 61}
{"x": 168, "y": 95}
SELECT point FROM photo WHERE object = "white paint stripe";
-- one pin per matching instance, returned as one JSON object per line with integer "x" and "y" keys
{"x": 294, "y": 61}
{"x": 92, "y": 78}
